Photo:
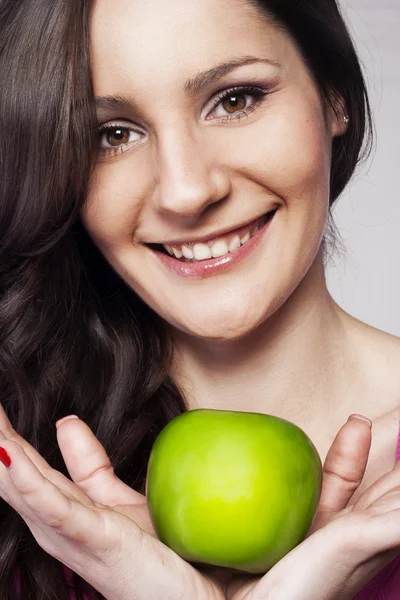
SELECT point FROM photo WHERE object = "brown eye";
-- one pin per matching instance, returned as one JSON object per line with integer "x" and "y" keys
{"x": 117, "y": 136}
{"x": 237, "y": 102}
{"x": 234, "y": 102}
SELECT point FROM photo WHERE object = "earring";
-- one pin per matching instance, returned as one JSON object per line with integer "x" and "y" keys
{"x": 346, "y": 119}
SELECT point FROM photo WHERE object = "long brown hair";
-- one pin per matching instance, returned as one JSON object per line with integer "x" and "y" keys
{"x": 73, "y": 337}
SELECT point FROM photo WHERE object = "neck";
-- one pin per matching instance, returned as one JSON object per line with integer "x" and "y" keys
{"x": 296, "y": 365}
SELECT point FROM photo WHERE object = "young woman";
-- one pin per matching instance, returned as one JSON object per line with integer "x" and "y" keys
{"x": 167, "y": 172}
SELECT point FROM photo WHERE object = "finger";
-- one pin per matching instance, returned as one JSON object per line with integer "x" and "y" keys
{"x": 94, "y": 475}
{"x": 89, "y": 466}
{"x": 100, "y": 537}
{"x": 57, "y": 478}
{"x": 7, "y": 487}
{"x": 389, "y": 482}
{"x": 39, "y": 501}
{"x": 10, "y": 434}
{"x": 345, "y": 464}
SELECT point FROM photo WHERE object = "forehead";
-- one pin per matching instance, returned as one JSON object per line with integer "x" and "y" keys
{"x": 168, "y": 40}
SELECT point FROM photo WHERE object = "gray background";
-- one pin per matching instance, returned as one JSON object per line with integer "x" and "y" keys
{"x": 365, "y": 279}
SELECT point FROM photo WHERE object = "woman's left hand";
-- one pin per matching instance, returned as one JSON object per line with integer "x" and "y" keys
{"x": 350, "y": 540}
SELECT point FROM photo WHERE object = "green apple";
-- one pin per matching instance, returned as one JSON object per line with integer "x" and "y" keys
{"x": 232, "y": 489}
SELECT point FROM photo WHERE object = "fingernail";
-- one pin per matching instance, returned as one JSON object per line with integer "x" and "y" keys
{"x": 5, "y": 459}
{"x": 58, "y": 423}
{"x": 360, "y": 418}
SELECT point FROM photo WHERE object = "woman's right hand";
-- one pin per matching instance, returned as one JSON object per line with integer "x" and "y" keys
{"x": 95, "y": 524}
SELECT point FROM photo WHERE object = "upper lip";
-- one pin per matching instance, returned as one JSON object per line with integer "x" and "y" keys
{"x": 212, "y": 235}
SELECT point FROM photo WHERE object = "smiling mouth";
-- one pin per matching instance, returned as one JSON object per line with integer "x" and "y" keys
{"x": 216, "y": 248}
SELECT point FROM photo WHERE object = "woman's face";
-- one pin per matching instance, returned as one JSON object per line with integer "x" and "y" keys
{"x": 215, "y": 149}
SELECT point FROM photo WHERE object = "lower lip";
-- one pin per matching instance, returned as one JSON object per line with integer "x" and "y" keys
{"x": 205, "y": 268}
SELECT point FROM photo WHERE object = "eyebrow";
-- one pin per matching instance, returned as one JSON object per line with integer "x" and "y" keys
{"x": 205, "y": 78}
{"x": 192, "y": 85}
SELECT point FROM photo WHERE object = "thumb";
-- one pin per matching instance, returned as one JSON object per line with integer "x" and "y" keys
{"x": 91, "y": 470}
{"x": 90, "y": 467}
{"x": 344, "y": 467}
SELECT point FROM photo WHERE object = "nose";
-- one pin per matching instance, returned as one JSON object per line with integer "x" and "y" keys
{"x": 189, "y": 177}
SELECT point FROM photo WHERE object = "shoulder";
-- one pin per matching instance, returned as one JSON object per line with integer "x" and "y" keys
{"x": 378, "y": 364}
{"x": 377, "y": 355}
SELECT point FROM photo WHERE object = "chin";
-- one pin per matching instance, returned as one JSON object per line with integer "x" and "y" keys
{"x": 223, "y": 325}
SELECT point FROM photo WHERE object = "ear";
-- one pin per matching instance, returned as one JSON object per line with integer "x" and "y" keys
{"x": 338, "y": 117}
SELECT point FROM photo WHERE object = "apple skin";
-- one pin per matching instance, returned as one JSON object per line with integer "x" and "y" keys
{"x": 232, "y": 489}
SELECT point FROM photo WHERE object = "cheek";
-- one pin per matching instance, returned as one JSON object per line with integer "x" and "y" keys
{"x": 299, "y": 174}
{"x": 288, "y": 155}
{"x": 289, "y": 158}
{"x": 114, "y": 203}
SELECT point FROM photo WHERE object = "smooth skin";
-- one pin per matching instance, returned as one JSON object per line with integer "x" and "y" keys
{"x": 253, "y": 338}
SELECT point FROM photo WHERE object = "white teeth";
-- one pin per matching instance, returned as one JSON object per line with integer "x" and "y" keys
{"x": 219, "y": 249}
{"x": 177, "y": 253}
{"x": 187, "y": 252}
{"x": 201, "y": 252}
{"x": 234, "y": 244}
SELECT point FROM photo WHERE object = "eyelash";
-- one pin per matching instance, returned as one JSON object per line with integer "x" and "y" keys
{"x": 256, "y": 93}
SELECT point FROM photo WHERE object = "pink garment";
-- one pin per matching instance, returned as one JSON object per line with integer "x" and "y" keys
{"x": 72, "y": 595}
{"x": 386, "y": 584}
{"x": 68, "y": 577}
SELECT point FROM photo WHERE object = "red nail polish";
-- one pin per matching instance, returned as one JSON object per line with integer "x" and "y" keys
{"x": 5, "y": 459}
